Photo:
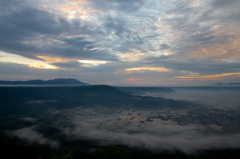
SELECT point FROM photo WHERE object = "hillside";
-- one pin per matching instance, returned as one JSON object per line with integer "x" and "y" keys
{"x": 84, "y": 95}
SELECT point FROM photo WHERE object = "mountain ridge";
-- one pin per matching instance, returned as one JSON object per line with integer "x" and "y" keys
{"x": 57, "y": 81}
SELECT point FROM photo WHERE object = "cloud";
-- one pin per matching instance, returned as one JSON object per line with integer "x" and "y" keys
{"x": 197, "y": 76}
{"x": 132, "y": 56}
{"x": 75, "y": 11}
{"x": 19, "y": 30}
{"x": 142, "y": 69}
{"x": 32, "y": 136}
{"x": 54, "y": 59}
{"x": 13, "y": 71}
{"x": 89, "y": 63}
{"x": 109, "y": 129}
{"x": 133, "y": 79}
{"x": 179, "y": 35}
{"x": 44, "y": 33}
{"x": 226, "y": 99}
{"x": 121, "y": 6}
{"x": 164, "y": 46}
{"x": 193, "y": 25}
{"x": 224, "y": 4}
{"x": 67, "y": 65}
{"x": 12, "y": 58}
{"x": 220, "y": 52}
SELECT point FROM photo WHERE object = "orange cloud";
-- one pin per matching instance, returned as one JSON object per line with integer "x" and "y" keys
{"x": 142, "y": 69}
{"x": 42, "y": 66}
{"x": 133, "y": 79}
{"x": 44, "y": 5}
{"x": 54, "y": 59}
{"x": 167, "y": 53}
{"x": 208, "y": 77}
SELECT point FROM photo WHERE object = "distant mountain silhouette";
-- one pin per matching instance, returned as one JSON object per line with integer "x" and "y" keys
{"x": 227, "y": 84}
{"x": 59, "y": 81}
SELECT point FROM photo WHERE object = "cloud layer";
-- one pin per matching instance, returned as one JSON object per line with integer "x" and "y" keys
{"x": 108, "y": 129}
{"x": 33, "y": 137}
{"x": 187, "y": 37}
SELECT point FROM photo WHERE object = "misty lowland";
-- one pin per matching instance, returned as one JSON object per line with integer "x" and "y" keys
{"x": 56, "y": 120}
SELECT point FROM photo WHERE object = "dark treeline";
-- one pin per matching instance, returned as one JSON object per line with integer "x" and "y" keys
{"x": 109, "y": 152}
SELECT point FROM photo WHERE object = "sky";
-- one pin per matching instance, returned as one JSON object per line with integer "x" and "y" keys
{"x": 121, "y": 42}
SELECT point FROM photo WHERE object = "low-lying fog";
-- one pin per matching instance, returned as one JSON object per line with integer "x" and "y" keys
{"x": 218, "y": 97}
{"x": 124, "y": 128}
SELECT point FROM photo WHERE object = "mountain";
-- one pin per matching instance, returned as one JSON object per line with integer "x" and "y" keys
{"x": 59, "y": 81}
{"x": 227, "y": 84}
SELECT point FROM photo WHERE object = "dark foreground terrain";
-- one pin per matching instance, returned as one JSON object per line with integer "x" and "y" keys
{"x": 106, "y": 122}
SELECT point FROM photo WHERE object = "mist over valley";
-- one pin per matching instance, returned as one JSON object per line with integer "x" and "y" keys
{"x": 144, "y": 120}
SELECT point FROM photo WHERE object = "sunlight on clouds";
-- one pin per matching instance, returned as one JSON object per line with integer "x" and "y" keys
{"x": 54, "y": 59}
{"x": 90, "y": 63}
{"x": 40, "y": 65}
{"x": 72, "y": 9}
{"x": 197, "y": 3}
{"x": 133, "y": 79}
{"x": 78, "y": 1}
{"x": 76, "y": 10}
{"x": 167, "y": 53}
{"x": 44, "y": 5}
{"x": 143, "y": 69}
{"x": 160, "y": 53}
{"x": 138, "y": 55}
{"x": 197, "y": 76}
{"x": 85, "y": 63}
{"x": 17, "y": 59}
{"x": 132, "y": 56}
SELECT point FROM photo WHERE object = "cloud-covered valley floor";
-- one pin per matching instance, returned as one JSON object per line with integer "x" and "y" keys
{"x": 158, "y": 129}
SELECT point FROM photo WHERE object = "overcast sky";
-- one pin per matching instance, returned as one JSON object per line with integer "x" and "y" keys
{"x": 121, "y": 42}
